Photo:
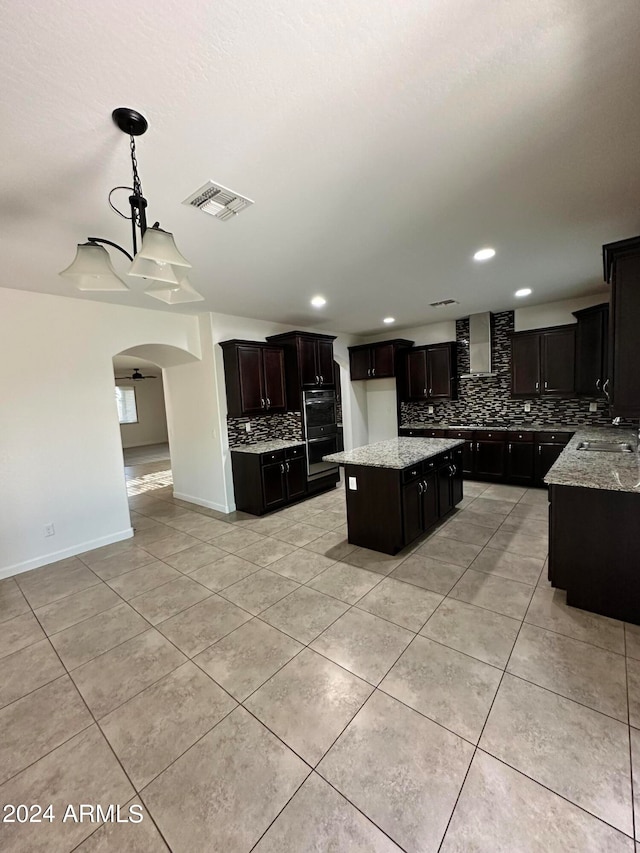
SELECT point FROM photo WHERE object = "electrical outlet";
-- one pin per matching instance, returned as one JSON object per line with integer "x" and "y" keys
{"x": 247, "y": 426}
{"x": 430, "y": 410}
{"x": 49, "y": 530}
{"x": 353, "y": 484}
{"x": 593, "y": 407}
{"x": 527, "y": 407}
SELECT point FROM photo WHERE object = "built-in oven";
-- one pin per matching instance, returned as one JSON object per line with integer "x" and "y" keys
{"x": 320, "y": 430}
{"x": 316, "y": 449}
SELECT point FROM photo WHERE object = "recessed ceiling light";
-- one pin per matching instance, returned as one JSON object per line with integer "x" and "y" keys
{"x": 318, "y": 301}
{"x": 524, "y": 291}
{"x": 484, "y": 254}
{"x": 389, "y": 320}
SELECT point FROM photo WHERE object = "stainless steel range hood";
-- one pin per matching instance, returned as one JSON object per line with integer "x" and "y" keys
{"x": 479, "y": 346}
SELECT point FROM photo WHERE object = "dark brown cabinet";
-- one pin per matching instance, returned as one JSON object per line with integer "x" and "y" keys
{"x": 489, "y": 457}
{"x": 549, "y": 446}
{"x": 376, "y": 361}
{"x": 420, "y": 505}
{"x": 622, "y": 270}
{"x": 254, "y": 377}
{"x": 520, "y": 458}
{"x": 543, "y": 362}
{"x": 592, "y": 350}
{"x": 267, "y": 481}
{"x": 308, "y": 363}
{"x": 430, "y": 373}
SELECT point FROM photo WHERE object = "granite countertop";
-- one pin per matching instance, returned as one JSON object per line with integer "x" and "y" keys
{"x": 617, "y": 472}
{"x": 394, "y": 453}
{"x": 266, "y": 446}
{"x": 535, "y": 427}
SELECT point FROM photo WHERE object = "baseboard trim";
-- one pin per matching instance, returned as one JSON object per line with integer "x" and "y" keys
{"x": 54, "y": 556}
{"x": 201, "y": 502}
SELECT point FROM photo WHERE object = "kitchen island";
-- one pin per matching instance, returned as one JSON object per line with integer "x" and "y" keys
{"x": 594, "y": 513}
{"x": 397, "y": 490}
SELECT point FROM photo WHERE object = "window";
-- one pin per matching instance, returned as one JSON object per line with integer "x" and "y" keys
{"x": 126, "y": 403}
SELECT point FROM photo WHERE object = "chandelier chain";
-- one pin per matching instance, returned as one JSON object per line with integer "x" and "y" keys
{"x": 137, "y": 184}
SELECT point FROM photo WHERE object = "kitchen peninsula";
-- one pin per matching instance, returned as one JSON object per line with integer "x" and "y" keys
{"x": 397, "y": 490}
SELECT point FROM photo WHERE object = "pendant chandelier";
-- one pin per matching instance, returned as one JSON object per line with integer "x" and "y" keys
{"x": 158, "y": 260}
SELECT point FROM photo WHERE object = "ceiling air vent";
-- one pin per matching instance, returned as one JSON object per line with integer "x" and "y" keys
{"x": 444, "y": 302}
{"x": 218, "y": 201}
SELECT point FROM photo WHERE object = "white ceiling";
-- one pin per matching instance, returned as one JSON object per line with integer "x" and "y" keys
{"x": 382, "y": 143}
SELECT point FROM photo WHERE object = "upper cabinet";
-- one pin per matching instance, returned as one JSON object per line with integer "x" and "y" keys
{"x": 543, "y": 362}
{"x": 592, "y": 338}
{"x": 308, "y": 363}
{"x": 622, "y": 270}
{"x": 429, "y": 373}
{"x": 376, "y": 361}
{"x": 255, "y": 378}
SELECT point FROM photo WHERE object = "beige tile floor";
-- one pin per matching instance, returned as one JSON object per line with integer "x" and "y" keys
{"x": 260, "y": 684}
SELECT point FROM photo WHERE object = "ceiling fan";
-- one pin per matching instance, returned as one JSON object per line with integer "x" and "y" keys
{"x": 136, "y": 375}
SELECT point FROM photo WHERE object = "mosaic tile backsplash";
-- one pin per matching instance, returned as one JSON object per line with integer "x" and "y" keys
{"x": 287, "y": 426}
{"x": 488, "y": 399}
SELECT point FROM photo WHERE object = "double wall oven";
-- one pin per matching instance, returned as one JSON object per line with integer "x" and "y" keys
{"x": 321, "y": 431}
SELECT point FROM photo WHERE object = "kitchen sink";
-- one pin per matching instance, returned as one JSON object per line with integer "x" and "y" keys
{"x": 606, "y": 446}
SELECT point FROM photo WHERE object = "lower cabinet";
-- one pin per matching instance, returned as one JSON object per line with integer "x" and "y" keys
{"x": 387, "y": 508}
{"x": 267, "y": 481}
{"x": 549, "y": 446}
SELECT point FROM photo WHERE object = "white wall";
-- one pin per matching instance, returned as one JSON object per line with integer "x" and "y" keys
{"x": 152, "y": 417}
{"x": 382, "y": 414}
{"x": 554, "y": 313}
{"x": 60, "y": 450}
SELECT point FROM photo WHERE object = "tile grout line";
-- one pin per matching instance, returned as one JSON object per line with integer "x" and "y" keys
{"x": 626, "y": 675}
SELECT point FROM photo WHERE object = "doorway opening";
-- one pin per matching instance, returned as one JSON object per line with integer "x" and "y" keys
{"x": 140, "y": 401}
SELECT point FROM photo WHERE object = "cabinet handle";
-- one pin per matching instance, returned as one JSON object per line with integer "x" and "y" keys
{"x": 373, "y": 371}
{"x": 430, "y": 392}
{"x": 452, "y": 470}
{"x": 509, "y": 448}
{"x": 598, "y": 381}
{"x": 321, "y": 379}
{"x": 424, "y": 392}
{"x": 282, "y": 467}
{"x": 287, "y": 466}
{"x": 420, "y": 488}
{"x": 262, "y": 403}
{"x": 477, "y": 446}
{"x": 539, "y": 450}
{"x": 268, "y": 403}
{"x": 537, "y": 386}
{"x": 604, "y": 388}
{"x": 546, "y": 384}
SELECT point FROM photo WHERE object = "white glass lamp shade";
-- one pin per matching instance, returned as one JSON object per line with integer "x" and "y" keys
{"x": 159, "y": 258}
{"x": 91, "y": 269}
{"x": 175, "y": 294}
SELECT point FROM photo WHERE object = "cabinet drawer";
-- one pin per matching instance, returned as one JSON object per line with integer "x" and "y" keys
{"x": 490, "y": 435}
{"x": 460, "y": 433}
{"x": 415, "y": 433}
{"x": 521, "y": 436}
{"x": 554, "y": 437}
{"x": 274, "y": 456}
{"x": 429, "y": 465}
{"x": 435, "y": 433}
{"x": 294, "y": 452}
{"x": 412, "y": 473}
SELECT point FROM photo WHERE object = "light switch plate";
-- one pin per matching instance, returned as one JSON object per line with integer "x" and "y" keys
{"x": 353, "y": 484}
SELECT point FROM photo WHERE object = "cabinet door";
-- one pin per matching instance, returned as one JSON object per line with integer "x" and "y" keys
{"x": 296, "y": 476}
{"x": 456, "y": 476}
{"x": 274, "y": 383}
{"x": 309, "y": 373}
{"x": 489, "y": 459}
{"x": 624, "y": 386}
{"x": 467, "y": 458}
{"x": 382, "y": 361}
{"x": 525, "y": 365}
{"x": 412, "y": 510}
{"x": 439, "y": 373}
{"x": 273, "y": 485}
{"x": 591, "y": 352}
{"x": 546, "y": 455}
{"x": 520, "y": 462}
{"x": 359, "y": 363}
{"x": 416, "y": 378}
{"x": 250, "y": 374}
{"x": 324, "y": 362}
{"x": 558, "y": 363}
{"x": 429, "y": 501}
{"x": 445, "y": 498}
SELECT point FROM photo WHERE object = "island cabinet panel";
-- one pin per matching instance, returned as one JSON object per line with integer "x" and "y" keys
{"x": 591, "y": 554}
{"x": 388, "y": 508}
{"x": 592, "y": 349}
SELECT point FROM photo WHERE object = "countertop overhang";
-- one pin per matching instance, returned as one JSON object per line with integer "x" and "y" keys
{"x": 617, "y": 472}
{"x": 395, "y": 453}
